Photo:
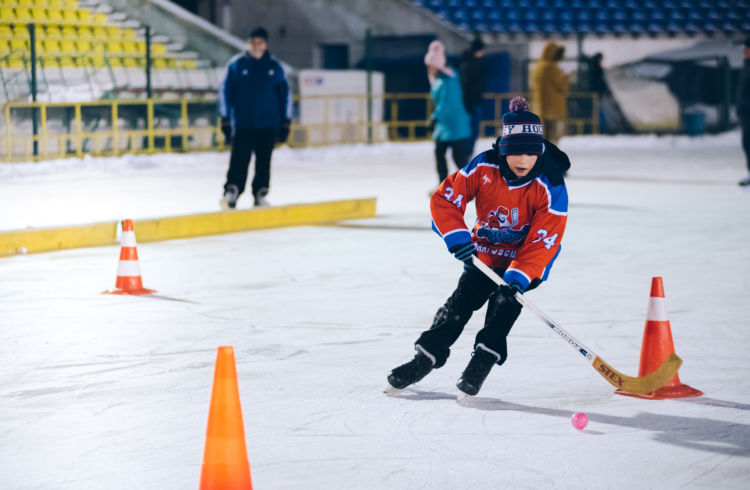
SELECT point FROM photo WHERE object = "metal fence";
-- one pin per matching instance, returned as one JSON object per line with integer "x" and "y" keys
{"x": 44, "y": 130}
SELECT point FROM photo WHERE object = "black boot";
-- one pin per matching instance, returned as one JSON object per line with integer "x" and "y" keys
{"x": 411, "y": 372}
{"x": 476, "y": 371}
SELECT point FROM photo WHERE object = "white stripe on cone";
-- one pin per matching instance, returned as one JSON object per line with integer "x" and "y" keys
{"x": 657, "y": 310}
{"x": 128, "y": 239}
{"x": 128, "y": 268}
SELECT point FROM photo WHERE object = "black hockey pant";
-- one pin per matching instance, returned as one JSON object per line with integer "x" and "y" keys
{"x": 245, "y": 142}
{"x": 745, "y": 124}
{"x": 473, "y": 290}
{"x": 461, "y": 153}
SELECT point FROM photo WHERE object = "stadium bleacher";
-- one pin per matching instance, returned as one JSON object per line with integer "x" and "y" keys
{"x": 597, "y": 17}
{"x": 69, "y": 34}
{"x": 85, "y": 35}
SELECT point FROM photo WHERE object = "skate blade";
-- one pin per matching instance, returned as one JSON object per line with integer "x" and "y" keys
{"x": 390, "y": 390}
{"x": 461, "y": 397}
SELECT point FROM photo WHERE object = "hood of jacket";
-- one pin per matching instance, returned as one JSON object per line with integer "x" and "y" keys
{"x": 553, "y": 163}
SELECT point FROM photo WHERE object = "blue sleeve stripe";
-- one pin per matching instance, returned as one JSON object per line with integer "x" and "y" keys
{"x": 457, "y": 237}
{"x": 518, "y": 277}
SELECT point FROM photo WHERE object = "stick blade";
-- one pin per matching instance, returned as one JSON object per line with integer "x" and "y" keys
{"x": 642, "y": 384}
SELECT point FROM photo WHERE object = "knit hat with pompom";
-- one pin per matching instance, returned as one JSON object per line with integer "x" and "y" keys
{"x": 522, "y": 130}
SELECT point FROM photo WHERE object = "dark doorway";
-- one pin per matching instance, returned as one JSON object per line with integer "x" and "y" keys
{"x": 335, "y": 56}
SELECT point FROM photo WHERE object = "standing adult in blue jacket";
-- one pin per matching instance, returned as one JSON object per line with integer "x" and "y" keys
{"x": 449, "y": 118}
{"x": 255, "y": 97}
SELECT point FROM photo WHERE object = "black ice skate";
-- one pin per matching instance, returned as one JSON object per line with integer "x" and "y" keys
{"x": 476, "y": 371}
{"x": 260, "y": 198}
{"x": 229, "y": 199}
{"x": 410, "y": 372}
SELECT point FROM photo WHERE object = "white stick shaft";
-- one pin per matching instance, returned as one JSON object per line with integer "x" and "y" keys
{"x": 572, "y": 341}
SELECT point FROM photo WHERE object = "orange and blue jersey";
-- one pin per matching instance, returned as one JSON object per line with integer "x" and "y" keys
{"x": 519, "y": 226}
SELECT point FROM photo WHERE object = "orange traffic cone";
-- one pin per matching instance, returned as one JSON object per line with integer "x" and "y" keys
{"x": 128, "y": 272}
{"x": 657, "y": 345}
{"x": 225, "y": 465}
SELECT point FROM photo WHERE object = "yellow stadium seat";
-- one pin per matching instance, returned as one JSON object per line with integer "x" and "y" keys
{"x": 51, "y": 46}
{"x": 129, "y": 34}
{"x": 70, "y": 16}
{"x": 128, "y": 47}
{"x": 19, "y": 44}
{"x": 114, "y": 32}
{"x": 129, "y": 62}
{"x": 68, "y": 46}
{"x": 100, "y": 33}
{"x": 98, "y": 61}
{"x": 69, "y": 32}
{"x": 53, "y": 31}
{"x": 20, "y": 32}
{"x": 141, "y": 47}
{"x": 66, "y": 61}
{"x": 159, "y": 63}
{"x": 23, "y": 14}
{"x": 39, "y": 14}
{"x": 114, "y": 48}
{"x": 4, "y": 47}
{"x": 6, "y": 32}
{"x": 158, "y": 48}
{"x": 7, "y": 13}
{"x": 54, "y": 15}
{"x": 98, "y": 48}
{"x": 100, "y": 18}
{"x": 71, "y": 4}
{"x": 84, "y": 16}
{"x": 83, "y": 46}
{"x": 84, "y": 32}
{"x": 56, "y": 4}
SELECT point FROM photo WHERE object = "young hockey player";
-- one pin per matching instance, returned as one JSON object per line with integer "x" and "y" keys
{"x": 522, "y": 207}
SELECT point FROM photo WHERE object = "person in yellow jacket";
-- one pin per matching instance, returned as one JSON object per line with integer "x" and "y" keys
{"x": 549, "y": 85}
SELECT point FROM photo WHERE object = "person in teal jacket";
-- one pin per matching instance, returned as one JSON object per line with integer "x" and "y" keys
{"x": 451, "y": 122}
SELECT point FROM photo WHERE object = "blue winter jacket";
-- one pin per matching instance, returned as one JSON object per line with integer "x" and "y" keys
{"x": 451, "y": 120}
{"x": 255, "y": 93}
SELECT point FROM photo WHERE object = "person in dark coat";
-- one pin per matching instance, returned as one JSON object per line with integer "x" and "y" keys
{"x": 743, "y": 106}
{"x": 473, "y": 71}
{"x": 255, "y": 98}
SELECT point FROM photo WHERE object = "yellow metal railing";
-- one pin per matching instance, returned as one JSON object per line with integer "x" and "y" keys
{"x": 114, "y": 127}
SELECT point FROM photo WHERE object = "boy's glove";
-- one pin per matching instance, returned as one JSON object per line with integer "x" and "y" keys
{"x": 283, "y": 134}
{"x": 226, "y": 128}
{"x": 463, "y": 252}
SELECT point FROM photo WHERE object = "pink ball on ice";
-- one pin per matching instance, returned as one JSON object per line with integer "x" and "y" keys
{"x": 579, "y": 420}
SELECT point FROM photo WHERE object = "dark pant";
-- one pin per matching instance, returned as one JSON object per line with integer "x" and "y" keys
{"x": 460, "y": 150}
{"x": 475, "y": 114}
{"x": 745, "y": 123}
{"x": 473, "y": 290}
{"x": 245, "y": 142}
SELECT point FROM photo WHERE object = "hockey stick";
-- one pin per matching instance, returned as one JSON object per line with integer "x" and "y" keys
{"x": 640, "y": 385}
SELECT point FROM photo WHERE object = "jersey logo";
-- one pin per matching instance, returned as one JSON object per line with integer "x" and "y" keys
{"x": 486, "y": 179}
{"x": 500, "y": 227}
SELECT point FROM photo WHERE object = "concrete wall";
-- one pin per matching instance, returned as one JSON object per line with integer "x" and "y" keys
{"x": 298, "y": 28}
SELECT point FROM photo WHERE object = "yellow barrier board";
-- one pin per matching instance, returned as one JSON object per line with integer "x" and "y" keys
{"x": 195, "y": 225}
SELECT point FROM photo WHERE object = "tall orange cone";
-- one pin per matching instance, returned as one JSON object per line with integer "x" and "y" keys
{"x": 128, "y": 272}
{"x": 225, "y": 464}
{"x": 657, "y": 345}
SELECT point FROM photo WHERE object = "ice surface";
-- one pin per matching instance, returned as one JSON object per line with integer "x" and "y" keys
{"x": 103, "y": 391}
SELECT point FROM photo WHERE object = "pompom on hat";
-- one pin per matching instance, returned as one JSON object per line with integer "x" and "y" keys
{"x": 522, "y": 130}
